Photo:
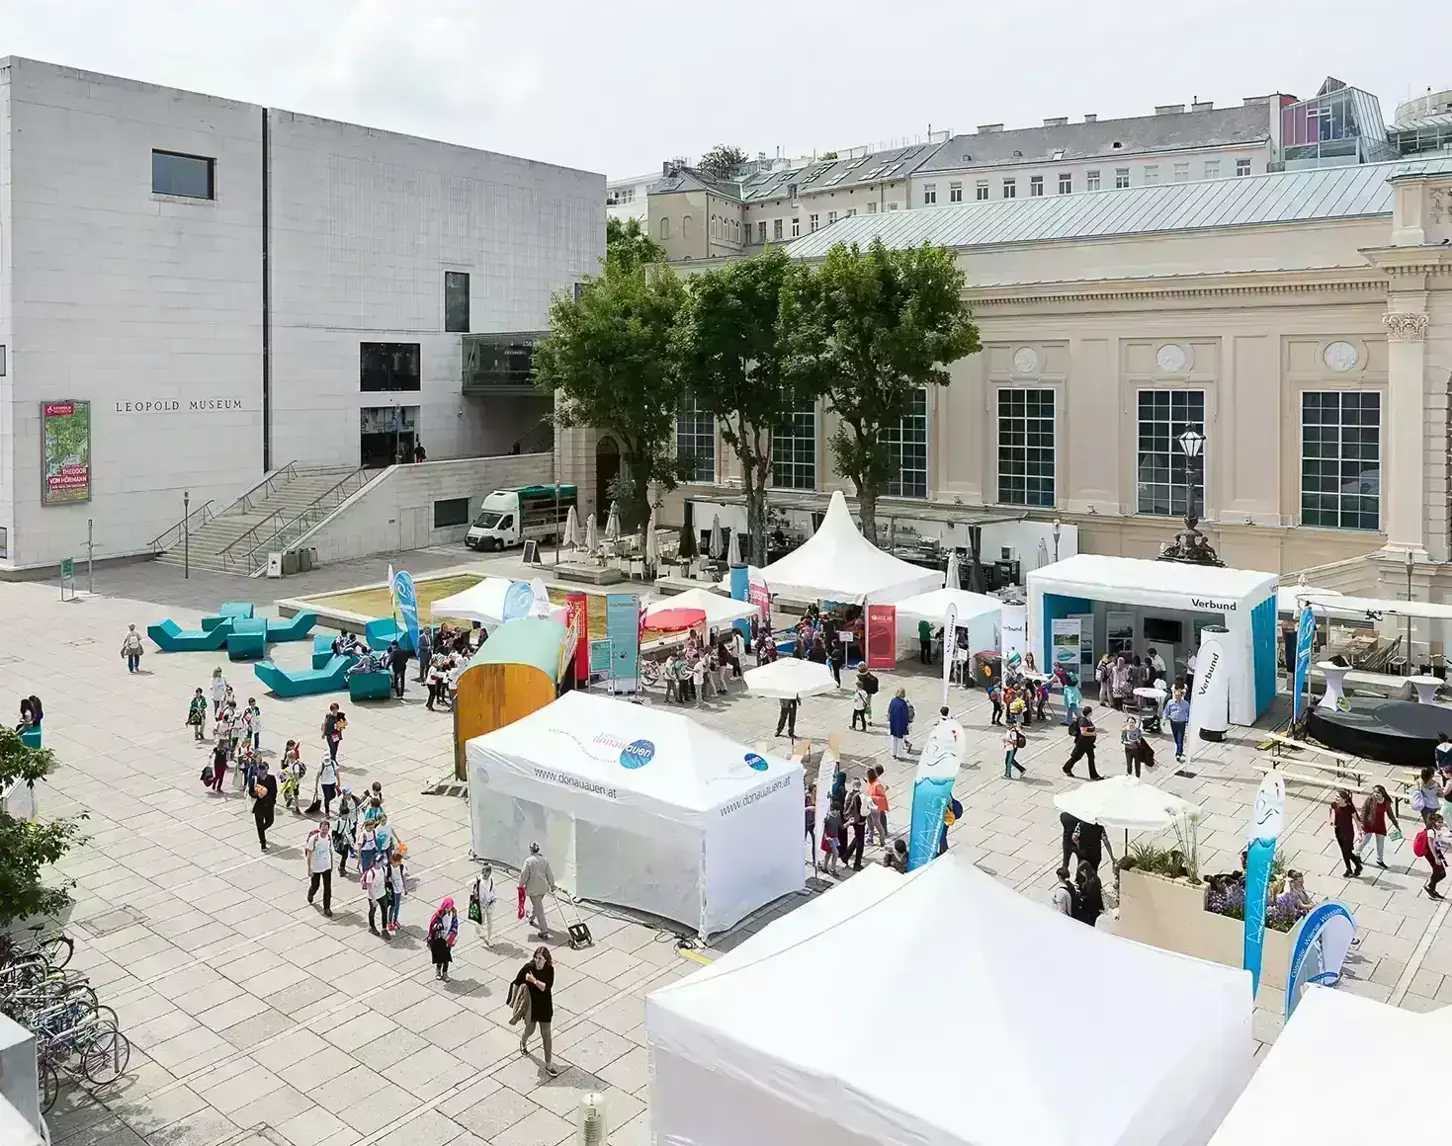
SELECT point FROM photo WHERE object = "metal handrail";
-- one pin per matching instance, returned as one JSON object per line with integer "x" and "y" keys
{"x": 157, "y": 546}
{"x": 289, "y": 471}
{"x": 248, "y": 559}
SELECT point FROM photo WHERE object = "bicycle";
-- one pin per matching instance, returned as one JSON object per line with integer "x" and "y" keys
{"x": 57, "y": 947}
{"x": 89, "y": 1048}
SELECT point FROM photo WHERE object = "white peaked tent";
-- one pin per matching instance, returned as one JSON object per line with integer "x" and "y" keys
{"x": 640, "y": 807}
{"x": 993, "y": 1000}
{"x": 838, "y": 564}
{"x": 720, "y": 611}
{"x": 1287, "y": 1102}
{"x": 484, "y": 603}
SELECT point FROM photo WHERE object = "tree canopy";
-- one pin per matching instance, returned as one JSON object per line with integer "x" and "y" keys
{"x": 867, "y": 330}
{"x": 722, "y": 161}
{"x": 628, "y": 244}
{"x": 28, "y": 847}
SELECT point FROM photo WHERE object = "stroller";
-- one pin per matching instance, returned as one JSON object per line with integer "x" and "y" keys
{"x": 1150, "y": 713}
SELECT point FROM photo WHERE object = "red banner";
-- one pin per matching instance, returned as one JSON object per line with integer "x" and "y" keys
{"x": 577, "y": 615}
{"x": 881, "y": 636}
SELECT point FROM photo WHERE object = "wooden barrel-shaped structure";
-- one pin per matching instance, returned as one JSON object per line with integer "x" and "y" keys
{"x": 517, "y": 671}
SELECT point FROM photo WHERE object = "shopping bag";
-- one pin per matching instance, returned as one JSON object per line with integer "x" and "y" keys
{"x": 476, "y": 915}
{"x": 207, "y": 774}
{"x": 521, "y": 903}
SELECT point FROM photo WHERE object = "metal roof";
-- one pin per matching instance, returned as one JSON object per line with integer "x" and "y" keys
{"x": 1104, "y": 139}
{"x": 1279, "y": 197}
{"x": 835, "y": 174}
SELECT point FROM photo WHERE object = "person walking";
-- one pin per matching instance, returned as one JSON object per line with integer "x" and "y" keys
{"x": 328, "y": 782}
{"x": 264, "y": 805}
{"x": 443, "y": 931}
{"x": 1091, "y": 897}
{"x": 1177, "y": 712}
{"x": 877, "y": 793}
{"x": 425, "y": 653}
{"x": 859, "y": 705}
{"x": 995, "y": 698}
{"x": 1376, "y": 811}
{"x": 1013, "y": 740}
{"x": 319, "y": 852}
{"x": 481, "y": 904}
{"x": 396, "y": 877}
{"x": 374, "y": 883}
{"x": 1073, "y": 697}
{"x": 868, "y": 680}
{"x": 333, "y": 725}
{"x": 1133, "y": 740}
{"x": 856, "y": 825}
{"x": 219, "y": 765}
{"x": 132, "y": 648}
{"x": 534, "y": 1003}
{"x": 1426, "y": 797}
{"x": 197, "y": 716}
{"x": 1083, "y": 732}
{"x": 925, "y": 642}
{"x": 1343, "y": 827}
{"x": 787, "y": 717}
{"x": 836, "y": 661}
{"x": 1065, "y": 897}
{"x": 538, "y": 881}
{"x": 1428, "y": 845}
{"x": 219, "y": 690}
{"x": 252, "y": 721}
{"x": 897, "y": 723}
{"x": 398, "y": 664}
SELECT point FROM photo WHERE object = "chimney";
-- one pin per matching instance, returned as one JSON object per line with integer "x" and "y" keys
{"x": 989, "y": 128}
{"x": 1169, "y": 109}
{"x": 1091, "y": 118}
{"x": 1203, "y": 105}
{"x": 1056, "y": 121}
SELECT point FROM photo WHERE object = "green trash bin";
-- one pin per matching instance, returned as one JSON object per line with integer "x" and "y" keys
{"x": 304, "y": 560}
{"x": 289, "y": 562}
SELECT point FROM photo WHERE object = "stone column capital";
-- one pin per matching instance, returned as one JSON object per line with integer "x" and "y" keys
{"x": 1405, "y": 326}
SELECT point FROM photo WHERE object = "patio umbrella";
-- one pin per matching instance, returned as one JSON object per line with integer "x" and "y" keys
{"x": 718, "y": 539}
{"x": 952, "y": 578}
{"x": 652, "y": 543}
{"x": 733, "y": 551}
{"x": 1125, "y": 802}
{"x": 612, "y": 523}
{"x": 591, "y": 541}
{"x": 790, "y": 679}
{"x": 572, "y": 529}
{"x": 675, "y": 620}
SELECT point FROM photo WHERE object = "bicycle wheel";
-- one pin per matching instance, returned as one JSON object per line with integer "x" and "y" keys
{"x": 106, "y": 1017}
{"x": 105, "y": 1057}
{"x": 49, "y": 1086}
{"x": 58, "y": 949}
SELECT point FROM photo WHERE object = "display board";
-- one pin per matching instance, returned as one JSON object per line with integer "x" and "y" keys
{"x": 881, "y": 636}
{"x": 65, "y": 434}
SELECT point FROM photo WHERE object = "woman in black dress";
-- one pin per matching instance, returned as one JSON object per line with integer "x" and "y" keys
{"x": 538, "y": 978}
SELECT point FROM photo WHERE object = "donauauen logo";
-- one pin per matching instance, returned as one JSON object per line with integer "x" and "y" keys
{"x": 175, "y": 406}
{"x": 1212, "y": 606}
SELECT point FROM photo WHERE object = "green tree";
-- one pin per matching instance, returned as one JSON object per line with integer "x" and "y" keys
{"x": 628, "y": 244}
{"x": 728, "y": 344}
{"x": 28, "y": 847}
{"x": 866, "y": 330}
{"x": 607, "y": 361}
{"x": 722, "y": 161}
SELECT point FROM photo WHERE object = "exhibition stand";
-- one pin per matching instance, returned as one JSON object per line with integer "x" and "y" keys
{"x": 762, "y": 1045}
{"x": 485, "y": 603}
{"x": 1126, "y": 605}
{"x": 719, "y": 612}
{"x": 641, "y": 807}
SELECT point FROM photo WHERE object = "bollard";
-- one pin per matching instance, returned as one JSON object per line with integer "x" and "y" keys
{"x": 590, "y": 1125}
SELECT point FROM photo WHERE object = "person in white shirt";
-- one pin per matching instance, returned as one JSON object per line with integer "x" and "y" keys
{"x": 485, "y": 896}
{"x": 219, "y": 690}
{"x": 1063, "y": 897}
{"x": 319, "y": 852}
{"x": 328, "y": 782}
{"x": 1156, "y": 666}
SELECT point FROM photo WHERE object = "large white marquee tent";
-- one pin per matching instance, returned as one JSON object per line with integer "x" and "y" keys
{"x": 484, "y": 603}
{"x": 944, "y": 1009}
{"x": 640, "y": 807}
{"x": 838, "y": 564}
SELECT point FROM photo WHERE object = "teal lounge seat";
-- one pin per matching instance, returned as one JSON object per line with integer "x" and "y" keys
{"x": 370, "y": 685}
{"x": 304, "y": 682}
{"x": 230, "y": 611}
{"x": 382, "y": 631}
{"x": 248, "y": 639}
{"x": 295, "y": 628}
{"x": 30, "y": 737}
{"x": 172, "y": 638}
{"x": 322, "y": 649}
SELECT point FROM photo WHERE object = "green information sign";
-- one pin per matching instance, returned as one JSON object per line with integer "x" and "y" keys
{"x": 68, "y": 568}
{"x": 599, "y": 657}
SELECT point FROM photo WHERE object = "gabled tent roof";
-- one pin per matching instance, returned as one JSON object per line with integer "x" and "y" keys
{"x": 483, "y": 602}
{"x": 838, "y": 564}
{"x": 719, "y": 610}
{"x": 934, "y": 606}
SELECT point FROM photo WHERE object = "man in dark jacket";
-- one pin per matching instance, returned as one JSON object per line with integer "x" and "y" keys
{"x": 398, "y": 662}
{"x": 264, "y": 806}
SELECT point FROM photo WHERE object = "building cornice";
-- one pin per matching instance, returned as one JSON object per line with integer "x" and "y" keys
{"x": 1370, "y": 288}
{"x": 1429, "y": 260}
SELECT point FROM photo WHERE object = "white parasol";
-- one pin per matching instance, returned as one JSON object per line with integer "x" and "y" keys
{"x": 789, "y": 679}
{"x": 612, "y": 523}
{"x": 591, "y": 541}
{"x": 718, "y": 539}
{"x": 952, "y": 579}
{"x": 572, "y": 529}
{"x": 652, "y": 545}
{"x": 733, "y": 551}
{"x": 1125, "y": 802}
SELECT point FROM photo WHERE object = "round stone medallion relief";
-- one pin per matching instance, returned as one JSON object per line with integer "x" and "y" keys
{"x": 1025, "y": 361}
{"x": 1340, "y": 357}
{"x": 1172, "y": 358}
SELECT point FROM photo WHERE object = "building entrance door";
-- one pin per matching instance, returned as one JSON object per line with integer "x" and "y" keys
{"x": 386, "y": 435}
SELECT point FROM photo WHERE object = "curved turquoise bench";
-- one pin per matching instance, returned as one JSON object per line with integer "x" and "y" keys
{"x": 295, "y": 628}
{"x": 230, "y": 611}
{"x": 248, "y": 639}
{"x": 304, "y": 682}
{"x": 370, "y": 686}
{"x": 322, "y": 649}
{"x": 383, "y": 631}
{"x": 172, "y": 638}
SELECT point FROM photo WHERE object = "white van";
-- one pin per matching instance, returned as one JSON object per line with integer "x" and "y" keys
{"x": 510, "y": 517}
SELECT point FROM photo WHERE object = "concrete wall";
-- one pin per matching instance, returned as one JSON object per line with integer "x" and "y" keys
{"x": 395, "y": 510}
{"x": 140, "y": 303}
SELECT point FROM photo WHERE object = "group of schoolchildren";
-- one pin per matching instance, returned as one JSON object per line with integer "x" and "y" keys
{"x": 236, "y": 733}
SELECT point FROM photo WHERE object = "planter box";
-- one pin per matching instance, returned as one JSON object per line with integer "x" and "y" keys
{"x": 1170, "y": 914}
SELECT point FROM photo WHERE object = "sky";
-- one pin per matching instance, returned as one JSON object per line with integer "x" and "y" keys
{"x": 617, "y": 87}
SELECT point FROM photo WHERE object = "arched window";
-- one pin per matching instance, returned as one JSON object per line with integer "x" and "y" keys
{"x": 685, "y": 226}
{"x": 665, "y": 228}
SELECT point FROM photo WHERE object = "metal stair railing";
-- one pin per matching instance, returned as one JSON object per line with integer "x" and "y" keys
{"x": 288, "y": 471}
{"x": 164, "y": 541}
{"x": 243, "y": 553}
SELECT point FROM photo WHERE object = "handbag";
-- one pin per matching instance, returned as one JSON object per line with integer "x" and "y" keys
{"x": 521, "y": 903}
{"x": 207, "y": 774}
{"x": 522, "y": 1004}
{"x": 476, "y": 914}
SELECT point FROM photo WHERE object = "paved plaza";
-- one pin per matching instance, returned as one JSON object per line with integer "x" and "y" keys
{"x": 256, "y": 1020}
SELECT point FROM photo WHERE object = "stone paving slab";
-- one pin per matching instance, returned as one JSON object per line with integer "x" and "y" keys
{"x": 253, "y": 1015}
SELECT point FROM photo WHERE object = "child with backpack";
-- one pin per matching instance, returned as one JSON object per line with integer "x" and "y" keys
{"x": 197, "y": 716}
{"x": 1427, "y": 845}
{"x": 868, "y": 680}
{"x": 1013, "y": 740}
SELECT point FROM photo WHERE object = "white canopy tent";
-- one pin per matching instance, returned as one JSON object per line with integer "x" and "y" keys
{"x": 1243, "y": 600}
{"x": 484, "y": 603}
{"x": 838, "y": 564}
{"x": 979, "y": 613}
{"x": 640, "y": 807}
{"x": 763, "y": 1047}
{"x": 720, "y": 611}
{"x": 1281, "y": 1105}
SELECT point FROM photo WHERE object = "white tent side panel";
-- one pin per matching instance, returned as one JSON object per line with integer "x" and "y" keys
{"x": 753, "y": 854}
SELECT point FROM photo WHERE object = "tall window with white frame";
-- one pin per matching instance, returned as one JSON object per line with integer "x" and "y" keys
{"x": 930, "y": 194}
{"x": 696, "y": 441}
{"x": 1010, "y": 188}
{"x": 1036, "y": 186}
{"x": 955, "y": 192}
{"x": 1026, "y": 447}
{"x": 1166, "y": 481}
{"x": 907, "y": 451}
{"x": 1121, "y": 178}
{"x": 1091, "y": 181}
{"x": 1066, "y": 183}
{"x": 1341, "y": 459}
{"x": 980, "y": 190}
{"x": 794, "y": 452}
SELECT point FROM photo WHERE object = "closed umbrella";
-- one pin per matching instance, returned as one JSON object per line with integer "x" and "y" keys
{"x": 952, "y": 578}
{"x": 652, "y": 543}
{"x": 591, "y": 541}
{"x": 789, "y": 679}
{"x": 572, "y": 529}
{"x": 612, "y": 523}
{"x": 718, "y": 539}
{"x": 733, "y": 552}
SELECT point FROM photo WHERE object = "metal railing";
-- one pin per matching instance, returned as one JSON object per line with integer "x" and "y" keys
{"x": 277, "y": 530}
{"x": 266, "y": 486}
{"x": 164, "y": 541}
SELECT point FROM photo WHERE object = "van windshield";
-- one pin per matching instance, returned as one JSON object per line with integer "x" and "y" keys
{"x": 487, "y": 520}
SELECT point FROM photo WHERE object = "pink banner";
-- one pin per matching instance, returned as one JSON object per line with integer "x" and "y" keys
{"x": 881, "y": 648}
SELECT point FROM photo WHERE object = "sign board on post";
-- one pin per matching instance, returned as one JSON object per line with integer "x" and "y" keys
{"x": 1015, "y": 634}
{"x": 622, "y": 629}
{"x": 1066, "y": 638}
{"x": 600, "y": 658}
{"x": 577, "y": 607}
{"x": 65, "y": 452}
{"x": 881, "y": 636}
{"x": 531, "y": 552}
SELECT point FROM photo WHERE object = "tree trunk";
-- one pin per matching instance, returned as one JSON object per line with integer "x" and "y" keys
{"x": 867, "y": 508}
{"x": 755, "y": 466}
{"x": 635, "y": 509}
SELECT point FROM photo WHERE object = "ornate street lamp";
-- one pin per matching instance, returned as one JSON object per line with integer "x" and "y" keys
{"x": 1190, "y": 546}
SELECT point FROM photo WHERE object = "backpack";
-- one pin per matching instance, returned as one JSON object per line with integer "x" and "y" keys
{"x": 912, "y": 712}
{"x": 1020, "y": 740}
{"x": 1075, "y": 910}
{"x": 1419, "y": 845}
{"x": 869, "y": 684}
